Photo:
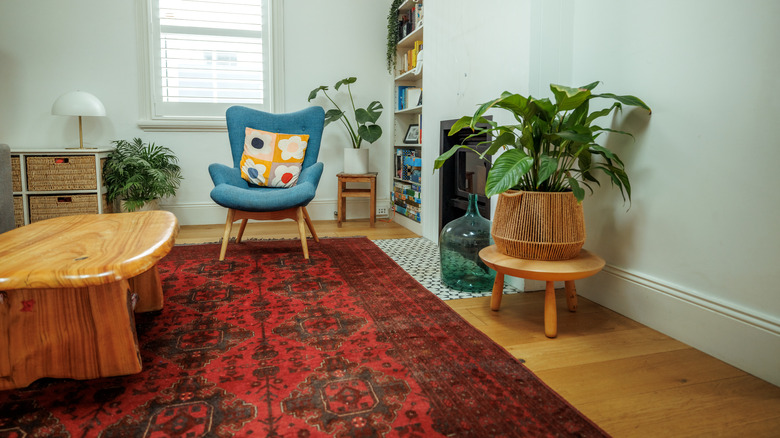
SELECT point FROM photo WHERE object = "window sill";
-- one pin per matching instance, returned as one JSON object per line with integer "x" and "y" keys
{"x": 182, "y": 125}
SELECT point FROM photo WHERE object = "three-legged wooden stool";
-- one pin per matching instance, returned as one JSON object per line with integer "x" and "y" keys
{"x": 582, "y": 266}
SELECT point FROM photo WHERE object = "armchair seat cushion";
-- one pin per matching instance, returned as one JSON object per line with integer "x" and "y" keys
{"x": 232, "y": 191}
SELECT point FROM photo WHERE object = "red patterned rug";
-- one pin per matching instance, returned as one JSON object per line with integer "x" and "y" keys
{"x": 269, "y": 344}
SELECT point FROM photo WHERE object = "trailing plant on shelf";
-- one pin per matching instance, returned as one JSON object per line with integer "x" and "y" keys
{"x": 137, "y": 172}
{"x": 393, "y": 35}
{"x": 552, "y": 148}
{"x": 365, "y": 118}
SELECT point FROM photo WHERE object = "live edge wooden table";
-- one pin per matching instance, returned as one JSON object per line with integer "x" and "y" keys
{"x": 68, "y": 290}
{"x": 345, "y": 193}
{"x": 582, "y": 266}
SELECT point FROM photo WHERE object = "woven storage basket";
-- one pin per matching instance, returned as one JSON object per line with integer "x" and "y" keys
{"x": 50, "y": 206}
{"x": 18, "y": 211}
{"x": 539, "y": 225}
{"x": 16, "y": 173}
{"x": 61, "y": 173}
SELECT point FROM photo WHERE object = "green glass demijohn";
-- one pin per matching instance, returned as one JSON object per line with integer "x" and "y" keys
{"x": 459, "y": 245}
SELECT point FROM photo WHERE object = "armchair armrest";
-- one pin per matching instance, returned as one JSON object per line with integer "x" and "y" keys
{"x": 222, "y": 174}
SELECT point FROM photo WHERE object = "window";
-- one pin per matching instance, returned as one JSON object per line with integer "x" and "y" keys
{"x": 207, "y": 55}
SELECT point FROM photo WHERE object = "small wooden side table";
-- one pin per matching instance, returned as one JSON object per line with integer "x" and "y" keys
{"x": 345, "y": 193}
{"x": 582, "y": 266}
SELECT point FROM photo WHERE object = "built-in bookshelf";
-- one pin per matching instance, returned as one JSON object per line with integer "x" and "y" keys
{"x": 408, "y": 104}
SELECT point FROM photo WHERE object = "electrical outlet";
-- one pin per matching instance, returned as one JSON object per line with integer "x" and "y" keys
{"x": 381, "y": 211}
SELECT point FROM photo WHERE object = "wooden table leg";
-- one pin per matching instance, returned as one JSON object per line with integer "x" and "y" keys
{"x": 550, "y": 313}
{"x": 498, "y": 292}
{"x": 149, "y": 290}
{"x": 78, "y": 333}
{"x": 571, "y": 296}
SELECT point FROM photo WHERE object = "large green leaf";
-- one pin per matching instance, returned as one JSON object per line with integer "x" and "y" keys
{"x": 599, "y": 128}
{"x": 370, "y": 133}
{"x": 333, "y": 115}
{"x": 482, "y": 109}
{"x": 313, "y": 93}
{"x": 542, "y": 107}
{"x": 547, "y": 166}
{"x": 507, "y": 138}
{"x": 514, "y": 103}
{"x": 602, "y": 112}
{"x": 626, "y": 100}
{"x": 578, "y": 191}
{"x": 591, "y": 85}
{"x": 438, "y": 162}
{"x": 345, "y": 81}
{"x": 578, "y": 134}
{"x": 370, "y": 114}
{"x": 568, "y": 98}
{"x": 507, "y": 171}
{"x": 460, "y": 124}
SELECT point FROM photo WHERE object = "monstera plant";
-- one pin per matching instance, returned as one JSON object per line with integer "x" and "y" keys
{"x": 365, "y": 127}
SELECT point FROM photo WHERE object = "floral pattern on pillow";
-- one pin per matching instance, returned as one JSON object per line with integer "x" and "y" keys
{"x": 272, "y": 159}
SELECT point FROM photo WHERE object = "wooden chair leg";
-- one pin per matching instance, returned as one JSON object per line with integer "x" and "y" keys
{"x": 226, "y": 236}
{"x": 302, "y": 231}
{"x": 241, "y": 230}
{"x": 310, "y": 225}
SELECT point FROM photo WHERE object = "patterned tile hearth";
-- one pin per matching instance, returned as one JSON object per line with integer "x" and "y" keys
{"x": 420, "y": 258}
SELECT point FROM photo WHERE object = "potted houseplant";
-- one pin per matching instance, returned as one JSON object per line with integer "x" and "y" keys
{"x": 550, "y": 153}
{"x": 138, "y": 174}
{"x": 364, "y": 128}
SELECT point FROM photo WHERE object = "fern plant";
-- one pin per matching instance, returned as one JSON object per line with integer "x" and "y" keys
{"x": 138, "y": 172}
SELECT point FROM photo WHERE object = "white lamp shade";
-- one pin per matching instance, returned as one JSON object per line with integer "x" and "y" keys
{"x": 78, "y": 103}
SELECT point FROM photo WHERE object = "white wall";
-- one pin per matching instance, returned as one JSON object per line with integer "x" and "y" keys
{"x": 470, "y": 58}
{"x": 92, "y": 46}
{"x": 696, "y": 254}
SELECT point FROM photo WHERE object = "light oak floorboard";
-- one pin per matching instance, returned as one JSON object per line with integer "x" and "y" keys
{"x": 631, "y": 380}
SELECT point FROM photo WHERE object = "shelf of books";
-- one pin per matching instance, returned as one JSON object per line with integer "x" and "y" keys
{"x": 407, "y": 182}
{"x": 407, "y": 179}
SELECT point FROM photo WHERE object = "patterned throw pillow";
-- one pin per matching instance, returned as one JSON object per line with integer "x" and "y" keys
{"x": 272, "y": 159}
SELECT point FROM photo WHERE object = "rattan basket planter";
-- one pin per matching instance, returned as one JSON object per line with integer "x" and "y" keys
{"x": 539, "y": 225}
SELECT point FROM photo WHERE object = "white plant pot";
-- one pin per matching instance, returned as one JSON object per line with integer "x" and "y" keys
{"x": 355, "y": 160}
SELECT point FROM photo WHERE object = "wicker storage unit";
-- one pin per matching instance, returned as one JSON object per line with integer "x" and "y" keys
{"x": 49, "y": 206}
{"x": 16, "y": 173}
{"x": 71, "y": 172}
{"x": 54, "y": 182}
{"x": 18, "y": 211}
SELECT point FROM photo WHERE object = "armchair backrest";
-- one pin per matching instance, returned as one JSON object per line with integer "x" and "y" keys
{"x": 309, "y": 121}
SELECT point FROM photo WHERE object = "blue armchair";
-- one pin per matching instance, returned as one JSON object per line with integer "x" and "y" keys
{"x": 246, "y": 201}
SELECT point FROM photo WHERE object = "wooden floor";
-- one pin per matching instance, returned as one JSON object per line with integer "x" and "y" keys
{"x": 631, "y": 380}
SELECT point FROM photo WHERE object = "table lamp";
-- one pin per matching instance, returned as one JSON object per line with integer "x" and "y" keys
{"x": 78, "y": 103}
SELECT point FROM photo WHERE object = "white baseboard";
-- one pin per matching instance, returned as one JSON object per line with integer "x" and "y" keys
{"x": 742, "y": 337}
{"x": 209, "y": 213}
